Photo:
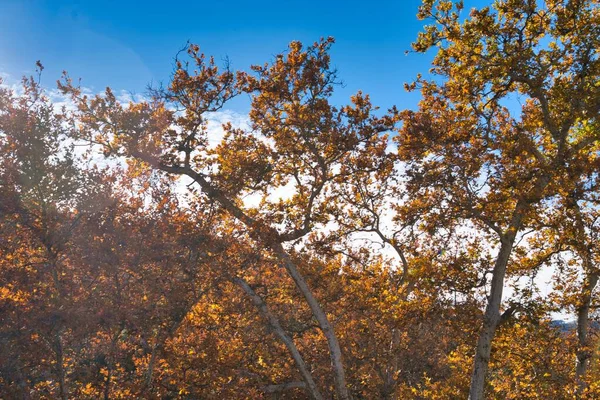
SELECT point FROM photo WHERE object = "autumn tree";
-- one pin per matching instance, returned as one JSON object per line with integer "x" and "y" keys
{"x": 41, "y": 199}
{"x": 566, "y": 241}
{"x": 471, "y": 154}
{"x": 325, "y": 250}
{"x": 83, "y": 256}
{"x": 302, "y": 142}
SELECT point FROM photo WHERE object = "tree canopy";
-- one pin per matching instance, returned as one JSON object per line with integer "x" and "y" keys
{"x": 323, "y": 250}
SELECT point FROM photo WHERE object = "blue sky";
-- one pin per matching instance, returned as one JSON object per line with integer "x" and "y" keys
{"x": 127, "y": 44}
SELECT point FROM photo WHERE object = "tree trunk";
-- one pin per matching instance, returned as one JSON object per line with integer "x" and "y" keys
{"x": 335, "y": 352}
{"x": 583, "y": 350}
{"x": 583, "y": 307}
{"x": 491, "y": 319}
{"x": 150, "y": 370}
{"x": 62, "y": 386}
{"x": 269, "y": 237}
{"x": 310, "y": 384}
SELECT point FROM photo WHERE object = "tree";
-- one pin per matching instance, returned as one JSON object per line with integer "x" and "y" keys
{"x": 42, "y": 194}
{"x": 470, "y": 158}
{"x": 566, "y": 239}
{"x": 324, "y": 251}
{"x": 302, "y": 144}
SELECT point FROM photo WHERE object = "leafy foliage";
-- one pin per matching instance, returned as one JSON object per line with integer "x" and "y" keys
{"x": 325, "y": 251}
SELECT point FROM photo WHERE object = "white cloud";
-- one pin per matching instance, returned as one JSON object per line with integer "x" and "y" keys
{"x": 215, "y": 121}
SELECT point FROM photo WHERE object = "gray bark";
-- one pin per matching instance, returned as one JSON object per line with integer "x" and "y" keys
{"x": 269, "y": 237}
{"x": 60, "y": 368}
{"x": 583, "y": 351}
{"x": 335, "y": 352}
{"x": 309, "y": 383}
{"x": 583, "y": 308}
{"x": 491, "y": 319}
{"x": 583, "y": 321}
